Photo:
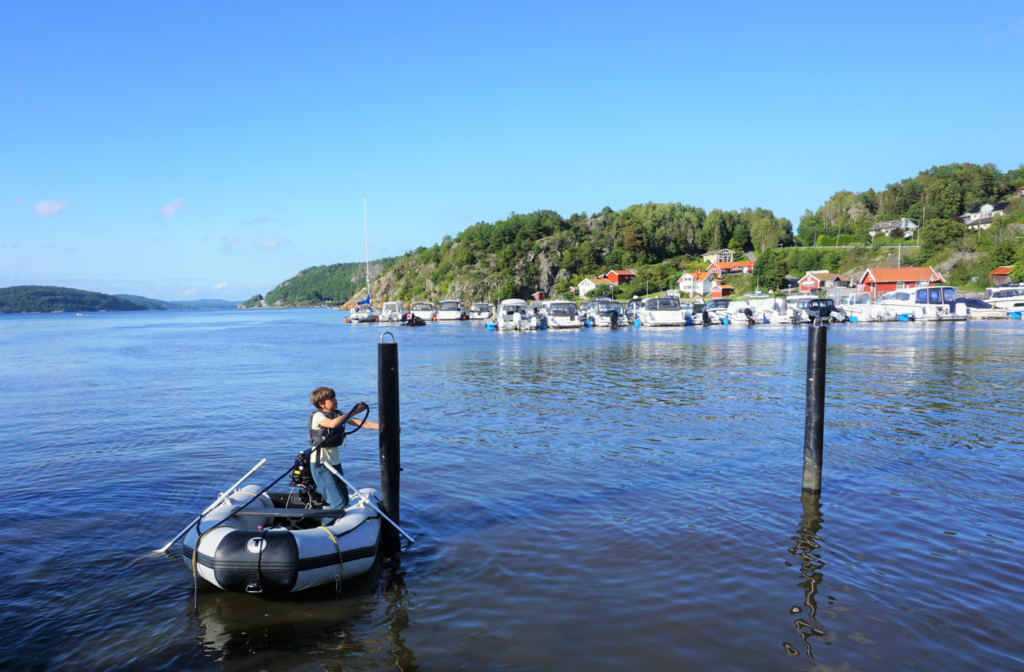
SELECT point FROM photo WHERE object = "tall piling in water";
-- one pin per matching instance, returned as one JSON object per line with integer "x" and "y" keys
{"x": 390, "y": 431}
{"x": 814, "y": 428}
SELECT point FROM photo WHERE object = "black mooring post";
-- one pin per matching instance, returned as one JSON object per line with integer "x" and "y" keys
{"x": 388, "y": 417}
{"x": 814, "y": 429}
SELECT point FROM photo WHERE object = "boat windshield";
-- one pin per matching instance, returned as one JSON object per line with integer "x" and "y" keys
{"x": 422, "y": 306}
{"x": 856, "y": 299}
{"x": 562, "y": 309}
{"x": 607, "y": 308}
{"x": 663, "y": 304}
{"x": 481, "y": 307}
{"x": 715, "y": 304}
{"x": 450, "y": 305}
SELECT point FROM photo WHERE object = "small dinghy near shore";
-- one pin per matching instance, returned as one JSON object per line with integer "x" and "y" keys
{"x": 276, "y": 545}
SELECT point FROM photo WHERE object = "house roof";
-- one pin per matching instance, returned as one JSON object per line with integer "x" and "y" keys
{"x": 697, "y": 275}
{"x": 996, "y": 207}
{"x": 906, "y": 274}
{"x": 1002, "y": 270}
{"x": 825, "y": 276}
{"x": 900, "y": 223}
{"x": 722, "y": 287}
{"x": 625, "y": 272}
{"x": 717, "y": 251}
{"x": 600, "y": 280}
{"x": 731, "y": 264}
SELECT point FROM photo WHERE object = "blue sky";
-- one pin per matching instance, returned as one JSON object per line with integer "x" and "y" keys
{"x": 212, "y": 150}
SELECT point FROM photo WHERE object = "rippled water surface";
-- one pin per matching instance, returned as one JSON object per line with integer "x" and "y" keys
{"x": 592, "y": 500}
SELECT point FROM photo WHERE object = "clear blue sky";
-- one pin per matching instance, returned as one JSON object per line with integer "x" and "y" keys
{"x": 214, "y": 149}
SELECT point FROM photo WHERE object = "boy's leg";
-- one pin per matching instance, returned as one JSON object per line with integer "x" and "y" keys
{"x": 333, "y": 490}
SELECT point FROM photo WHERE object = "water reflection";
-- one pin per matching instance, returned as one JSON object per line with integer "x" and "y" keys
{"x": 807, "y": 553}
{"x": 363, "y": 627}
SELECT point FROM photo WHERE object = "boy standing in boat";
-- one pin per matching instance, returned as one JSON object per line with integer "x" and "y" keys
{"x": 321, "y": 422}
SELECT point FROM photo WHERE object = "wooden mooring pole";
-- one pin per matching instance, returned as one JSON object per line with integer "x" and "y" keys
{"x": 814, "y": 428}
{"x": 390, "y": 428}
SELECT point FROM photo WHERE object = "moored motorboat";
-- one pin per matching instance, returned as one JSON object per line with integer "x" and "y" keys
{"x": 393, "y": 311}
{"x": 424, "y": 310}
{"x": 933, "y": 304}
{"x": 450, "y": 311}
{"x": 559, "y": 314}
{"x": 480, "y": 311}
{"x": 660, "y": 312}
{"x": 276, "y": 545}
{"x": 515, "y": 315}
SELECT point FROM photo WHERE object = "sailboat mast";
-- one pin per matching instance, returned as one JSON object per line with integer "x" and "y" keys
{"x": 366, "y": 236}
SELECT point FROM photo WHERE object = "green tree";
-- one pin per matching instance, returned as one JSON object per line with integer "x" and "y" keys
{"x": 937, "y": 234}
{"x": 770, "y": 269}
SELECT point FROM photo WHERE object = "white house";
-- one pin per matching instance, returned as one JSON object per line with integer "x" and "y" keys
{"x": 980, "y": 217}
{"x": 699, "y": 283}
{"x": 587, "y": 285}
{"x": 718, "y": 255}
{"x": 903, "y": 224}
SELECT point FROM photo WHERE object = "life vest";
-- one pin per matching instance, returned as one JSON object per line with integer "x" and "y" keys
{"x": 318, "y": 434}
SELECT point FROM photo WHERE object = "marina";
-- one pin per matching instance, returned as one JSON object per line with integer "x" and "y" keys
{"x": 524, "y": 532}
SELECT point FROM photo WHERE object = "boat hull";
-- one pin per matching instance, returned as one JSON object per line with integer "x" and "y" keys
{"x": 239, "y": 557}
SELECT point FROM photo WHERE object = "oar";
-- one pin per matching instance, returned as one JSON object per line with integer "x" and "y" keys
{"x": 211, "y": 507}
{"x": 367, "y": 501}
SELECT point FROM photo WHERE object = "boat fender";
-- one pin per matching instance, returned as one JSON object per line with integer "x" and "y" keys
{"x": 636, "y": 322}
{"x": 346, "y": 320}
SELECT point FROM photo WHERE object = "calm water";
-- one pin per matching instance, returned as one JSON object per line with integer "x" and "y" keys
{"x": 591, "y": 500}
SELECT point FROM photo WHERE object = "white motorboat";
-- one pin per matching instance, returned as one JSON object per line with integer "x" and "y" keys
{"x": 925, "y": 303}
{"x": 560, "y": 314}
{"x": 660, "y": 312}
{"x": 276, "y": 545}
{"x": 1008, "y": 298}
{"x": 980, "y": 310}
{"x": 607, "y": 314}
{"x": 480, "y": 311}
{"x": 364, "y": 313}
{"x": 774, "y": 310}
{"x": 393, "y": 311}
{"x": 424, "y": 310}
{"x": 861, "y": 308}
{"x": 450, "y": 311}
{"x": 515, "y": 315}
{"x": 740, "y": 312}
{"x": 716, "y": 311}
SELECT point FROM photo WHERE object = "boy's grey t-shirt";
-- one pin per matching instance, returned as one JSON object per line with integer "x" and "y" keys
{"x": 331, "y": 456}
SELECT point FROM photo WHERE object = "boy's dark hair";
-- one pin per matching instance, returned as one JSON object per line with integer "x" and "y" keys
{"x": 320, "y": 395}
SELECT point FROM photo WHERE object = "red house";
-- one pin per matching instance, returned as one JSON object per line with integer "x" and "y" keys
{"x": 881, "y": 280}
{"x": 721, "y": 268}
{"x": 620, "y": 277}
{"x": 539, "y": 296}
{"x": 817, "y": 280}
{"x": 720, "y": 291}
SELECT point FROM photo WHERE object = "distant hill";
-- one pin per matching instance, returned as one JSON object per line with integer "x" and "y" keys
{"x": 199, "y": 304}
{"x": 39, "y": 299}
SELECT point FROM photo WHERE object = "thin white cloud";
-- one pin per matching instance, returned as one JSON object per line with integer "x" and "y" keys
{"x": 18, "y": 201}
{"x": 168, "y": 210}
{"x": 260, "y": 220}
{"x": 190, "y": 291}
{"x": 265, "y": 241}
{"x": 219, "y": 286}
{"x": 49, "y": 208}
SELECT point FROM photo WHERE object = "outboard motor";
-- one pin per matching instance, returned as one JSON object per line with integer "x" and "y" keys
{"x": 704, "y": 317}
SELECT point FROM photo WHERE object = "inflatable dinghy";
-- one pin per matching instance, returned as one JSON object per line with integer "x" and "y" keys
{"x": 277, "y": 545}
